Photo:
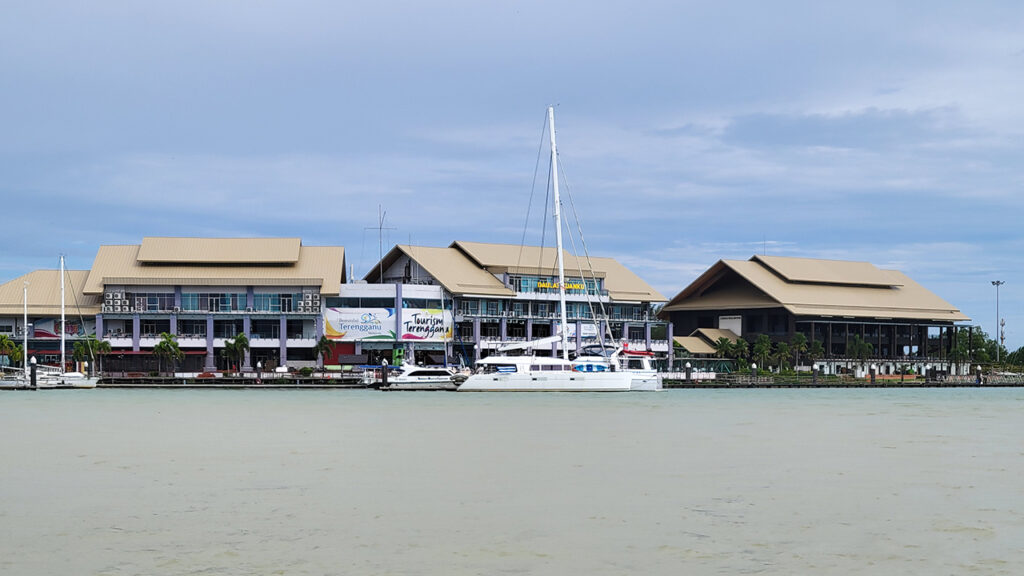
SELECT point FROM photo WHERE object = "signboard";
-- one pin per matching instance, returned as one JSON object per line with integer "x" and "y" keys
{"x": 426, "y": 324}
{"x": 587, "y": 330}
{"x": 358, "y": 324}
{"x": 568, "y": 285}
{"x": 49, "y": 328}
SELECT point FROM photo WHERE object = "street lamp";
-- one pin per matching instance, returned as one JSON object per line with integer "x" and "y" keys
{"x": 997, "y": 284}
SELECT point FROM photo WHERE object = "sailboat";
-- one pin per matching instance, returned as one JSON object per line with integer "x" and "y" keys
{"x": 19, "y": 380}
{"x": 547, "y": 374}
{"x": 46, "y": 377}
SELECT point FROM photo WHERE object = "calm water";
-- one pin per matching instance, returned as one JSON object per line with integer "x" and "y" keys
{"x": 363, "y": 482}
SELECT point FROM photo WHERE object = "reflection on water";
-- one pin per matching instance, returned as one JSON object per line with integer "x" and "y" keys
{"x": 362, "y": 482}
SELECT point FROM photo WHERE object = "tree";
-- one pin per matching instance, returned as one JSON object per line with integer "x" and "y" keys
{"x": 167, "y": 349}
{"x": 815, "y": 350}
{"x": 16, "y": 354}
{"x": 782, "y": 355}
{"x": 798, "y": 343}
{"x": 741, "y": 349}
{"x": 860, "y": 349}
{"x": 762, "y": 349}
{"x": 723, "y": 348}
{"x": 323, "y": 348}
{"x": 6, "y": 346}
{"x": 235, "y": 349}
{"x": 92, "y": 350}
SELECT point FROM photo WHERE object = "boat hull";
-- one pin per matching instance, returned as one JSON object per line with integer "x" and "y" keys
{"x": 548, "y": 382}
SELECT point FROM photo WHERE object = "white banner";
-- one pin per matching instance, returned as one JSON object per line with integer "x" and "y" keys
{"x": 352, "y": 324}
{"x": 426, "y": 324}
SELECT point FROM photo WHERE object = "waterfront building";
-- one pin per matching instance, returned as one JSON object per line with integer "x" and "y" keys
{"x": 43, "y": 305}
{"x": 204, "y": 291}
{"x": 464, "y": 301}
{"x": 830, "y": 301}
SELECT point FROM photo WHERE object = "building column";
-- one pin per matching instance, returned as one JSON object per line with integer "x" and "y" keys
{"x": 136, "y": 332}
{"x": 647, "y": 334}
{"x": 625, "y": 330}
{"x": 476, "y": 339}
{"x": 211, "y": 363}
{"x": 177, "y": 297}
{"x": 250, "y": 298}
{"x": 670, "y": 333}
{"x": 283, "y": 348}
{"x": 398, "y": 312}
{"x": 174, "y": 324}
{"x": 99, "y": 326}
{"x": 247, "y": 330}
{"x": 529, "y": 329}
{"x": 503, "y": 323}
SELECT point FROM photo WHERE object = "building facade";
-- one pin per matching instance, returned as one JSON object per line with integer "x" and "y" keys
{"x": 829, "y": 301}
{"x": 496, "y": 294}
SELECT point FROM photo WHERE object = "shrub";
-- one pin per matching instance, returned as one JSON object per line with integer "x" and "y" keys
{"x": 306, "y": 371}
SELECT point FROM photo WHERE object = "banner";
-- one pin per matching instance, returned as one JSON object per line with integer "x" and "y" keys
{"x": 426, "y": 324}
{"x": 49, "y": 328}
{"x": 587, "y": 330}
{"x": 357, "y": 324}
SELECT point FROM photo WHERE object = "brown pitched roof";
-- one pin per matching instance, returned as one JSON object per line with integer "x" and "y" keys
{"x": 807, "y": 287}
{"x": 457, "y": 273}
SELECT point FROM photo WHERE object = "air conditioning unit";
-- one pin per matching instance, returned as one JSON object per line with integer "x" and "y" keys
{"x": 117, "y": 308}
{"x": 107, "y": 297}
{"x": 316, "y": 297}
{"x": 108, "y": 308}
{"x": 176, "y": 309}
{"x": 118, "y": 295}
{"x": 307, "y": 297}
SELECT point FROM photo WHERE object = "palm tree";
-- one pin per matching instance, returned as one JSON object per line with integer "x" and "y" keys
{"x": 798, "y": 343}
{"x": 741, "y": 349}
{"x": 782, "y": 354}
{"x": 763, "y": 349}
{"x": 723, "y": 347}
{"x": 860, "y": 349}
{"x": 815, "y": 350}
{"x": 235, "y": 349}
{"x": 16, "y": 354}
{"x": 322, "y": 349}
{"x": 6, "y": 346}
{"x": 167, "y": 348}
{"x": 92, "y": 350}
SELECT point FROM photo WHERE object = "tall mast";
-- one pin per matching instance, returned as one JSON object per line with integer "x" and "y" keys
{"x": 62, "y": 313}
{"x": 558, "y": 233}
{"x": 24, "y": 332}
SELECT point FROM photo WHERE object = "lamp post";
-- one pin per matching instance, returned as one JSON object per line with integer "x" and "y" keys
{"x": 997, "y": 284}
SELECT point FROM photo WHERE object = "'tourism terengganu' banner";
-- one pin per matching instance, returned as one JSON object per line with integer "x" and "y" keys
{"x": 351, "y": 324}
{"x": 426, "y": 324}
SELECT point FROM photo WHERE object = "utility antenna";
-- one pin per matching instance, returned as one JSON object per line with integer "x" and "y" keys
{"x": 380, "y": 228}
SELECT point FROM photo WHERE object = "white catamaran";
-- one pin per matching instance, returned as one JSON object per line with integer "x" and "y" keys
{"x": 529, "y": 373}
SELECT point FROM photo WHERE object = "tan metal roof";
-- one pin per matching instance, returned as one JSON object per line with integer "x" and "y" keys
{"x": 322, "y": 266}
{"x": 457, "y": 273}
{"x": 621, "y": 283}
{"x": 44, "y": 294}
{"x": 219, "y": 250}
{"x": 737, "y": 283}
{"x": 713, "y": 334}
{"x": 829, "y": 271}
{"x": 694, "y": 345}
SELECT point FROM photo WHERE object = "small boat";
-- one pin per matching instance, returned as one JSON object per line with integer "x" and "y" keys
{"x": 414, "y": 377}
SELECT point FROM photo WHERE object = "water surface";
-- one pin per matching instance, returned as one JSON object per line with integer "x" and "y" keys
{"x": 363, "y": 482}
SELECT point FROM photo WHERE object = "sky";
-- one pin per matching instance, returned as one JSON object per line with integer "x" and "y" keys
{"x": 688, "y": 132}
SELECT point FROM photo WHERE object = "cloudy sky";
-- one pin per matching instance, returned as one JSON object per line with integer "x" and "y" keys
{"x": 688, "y": 131}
